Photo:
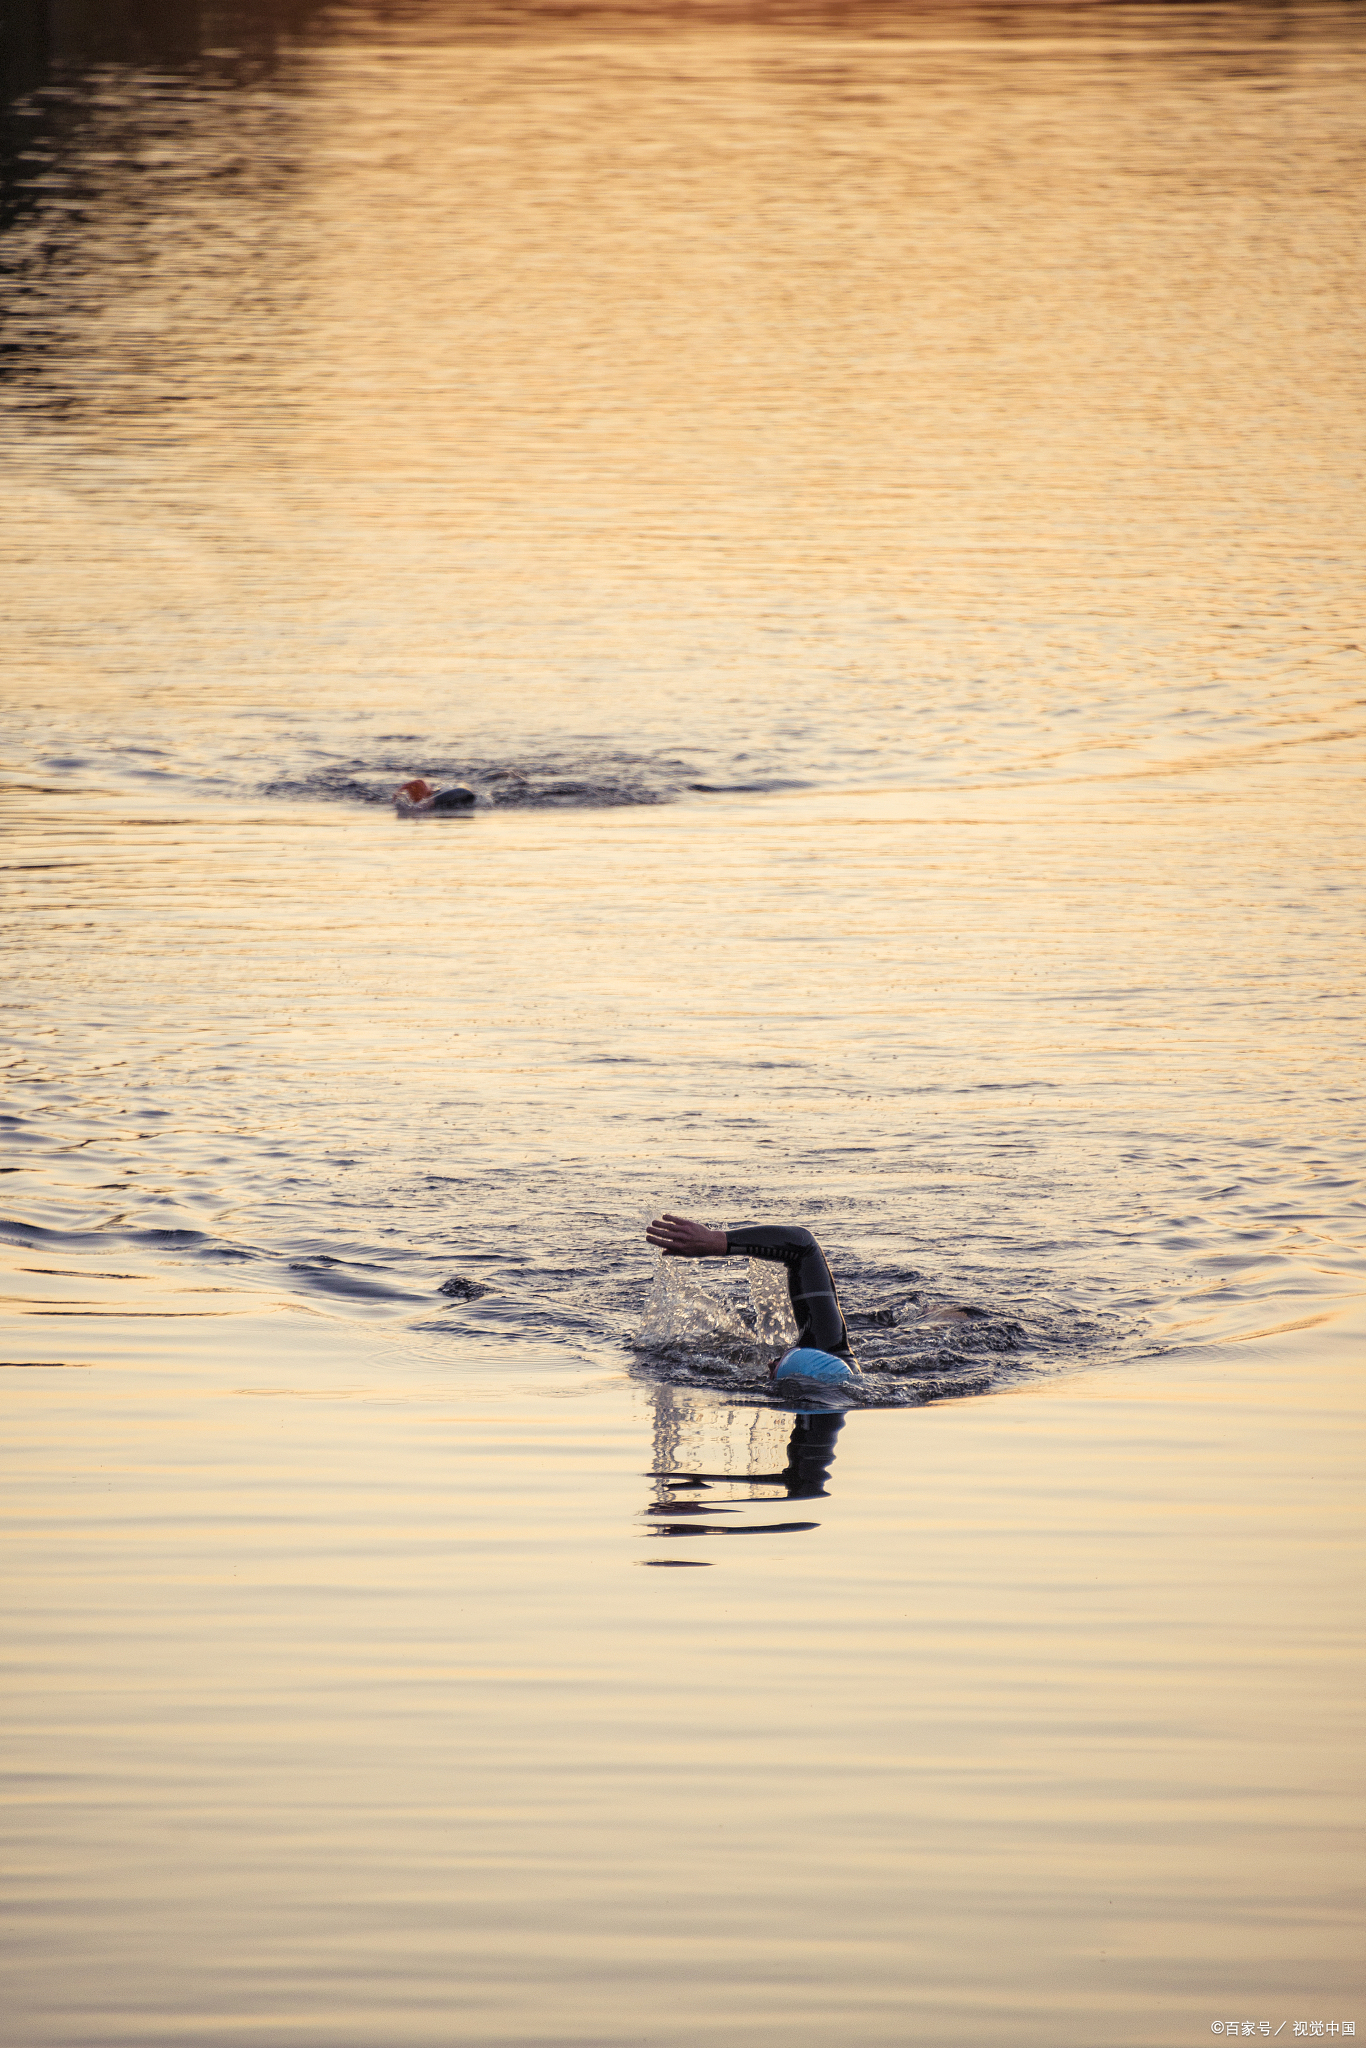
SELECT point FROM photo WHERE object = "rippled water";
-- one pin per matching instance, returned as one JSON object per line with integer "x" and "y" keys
{"x": 869, "y": 500}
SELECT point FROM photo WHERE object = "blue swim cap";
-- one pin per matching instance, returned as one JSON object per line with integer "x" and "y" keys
{"x": 813, "y": 1365}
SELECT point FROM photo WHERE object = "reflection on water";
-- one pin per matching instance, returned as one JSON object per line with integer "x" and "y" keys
{"x": 692, "y": 1502}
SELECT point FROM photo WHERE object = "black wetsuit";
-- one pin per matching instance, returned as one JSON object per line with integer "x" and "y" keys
{"x": 815, "y": 1304}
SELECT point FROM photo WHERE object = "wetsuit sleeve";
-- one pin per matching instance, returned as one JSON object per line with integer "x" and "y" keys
{"x": 811, "y": 1290}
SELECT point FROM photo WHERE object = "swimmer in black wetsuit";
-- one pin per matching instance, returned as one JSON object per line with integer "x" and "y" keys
{"x": 815, "y": 1304}
{"x": 413, "y": 799}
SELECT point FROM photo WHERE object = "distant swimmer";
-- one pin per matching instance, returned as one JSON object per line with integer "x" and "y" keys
{"x": 414, "y": 799}
{"x": 822, "y": 1351}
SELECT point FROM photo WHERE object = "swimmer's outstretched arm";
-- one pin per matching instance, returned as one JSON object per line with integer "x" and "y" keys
{"x": 679, "y": 1239}
{"x": 815, "y": 1304}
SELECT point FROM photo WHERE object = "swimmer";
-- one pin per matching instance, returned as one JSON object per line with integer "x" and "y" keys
{"x": 413, "y": 799}
{"x": 822, "y": 1350}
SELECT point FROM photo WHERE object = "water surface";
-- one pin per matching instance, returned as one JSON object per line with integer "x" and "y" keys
{"x": 870, "y": 504}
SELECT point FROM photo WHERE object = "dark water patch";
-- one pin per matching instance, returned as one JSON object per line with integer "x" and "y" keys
{"x": 691, "y": 1507}
{"x": 351, "y": 1281}
{"x": 328, "y": 786}
{"x": 559, "y": 782}
{"x": 79, "y": 1273}
{"x": 754, "y": 1529}
{"x": 323, "y": 1261}
{"x": 912, "y": 1384}
{"x": 31, "y": 1236}
{"x": 764, "y": 786}
{"x": 911, "y": 1346}
{"x": 461, "y": 1289}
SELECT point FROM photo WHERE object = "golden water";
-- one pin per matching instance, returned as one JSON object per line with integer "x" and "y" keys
{"x": 871, "y": 502}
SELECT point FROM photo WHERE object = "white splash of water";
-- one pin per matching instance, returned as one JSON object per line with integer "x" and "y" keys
{"x": 775, "y": 1326}
{"x": 681, "y": 1309}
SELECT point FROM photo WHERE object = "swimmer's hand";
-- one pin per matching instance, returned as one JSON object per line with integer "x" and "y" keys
{"x": 679, "y": 1239}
